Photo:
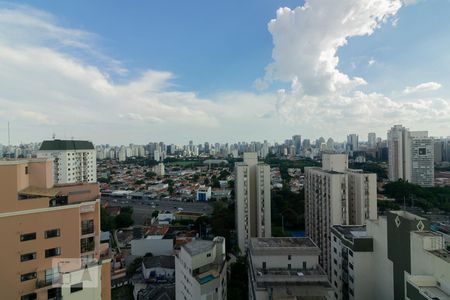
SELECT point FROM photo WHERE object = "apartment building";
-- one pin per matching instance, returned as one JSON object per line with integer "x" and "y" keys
{"x": 393, "y": 257}
{"x": 201, "y": 270}
{"x": 73, "y": 160}
{"x": 252, "y": 194}
{"x": 336, "y": 195}
{"x": 411, "y": 156}
{"x": 50, "y": 235}
{"x": 286, "y": 268}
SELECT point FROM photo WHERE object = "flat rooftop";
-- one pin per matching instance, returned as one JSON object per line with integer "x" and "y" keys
{"x": 18, "y": 161}
{"x": 198, "y": 246}
{"x": 282, "y": 242}
{"x": 351, "y": 231}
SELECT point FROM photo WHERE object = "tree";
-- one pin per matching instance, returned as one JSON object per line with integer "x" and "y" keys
{"x": 150, "y": 174}
{"x": 107, "y": 222}
{"x": 134, "y": 266}
{"x": 139, "y": 181}
{"x": 155, "y": 213}
{"x": 238, "y": 280}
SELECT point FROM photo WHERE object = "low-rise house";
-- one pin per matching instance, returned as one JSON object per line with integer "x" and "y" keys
{"x": 159, "y": 268}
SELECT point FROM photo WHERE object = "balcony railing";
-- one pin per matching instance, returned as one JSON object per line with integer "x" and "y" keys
{"x": 48, "y": 282}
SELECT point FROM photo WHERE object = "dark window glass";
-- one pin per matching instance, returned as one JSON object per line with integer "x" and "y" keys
{"x": 52, "y": 233}
{"x": 28, "y": 256}
{"x": 87, "y": 227}
{"x": 28, "y": 236}
{"x": 52, "y": 252}
{"x": 28, "y": 276}
{"x": 32, "y": 296}
{"x": 76, "y": 287}
{"x": 87, "y": 244}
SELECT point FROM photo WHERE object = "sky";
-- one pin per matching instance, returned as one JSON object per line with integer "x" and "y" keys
{"x": 222, "y": 71}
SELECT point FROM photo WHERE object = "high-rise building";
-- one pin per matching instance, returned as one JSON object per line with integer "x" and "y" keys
{"x": 51, "y": 235}
{"x": 336, "y": 195}
{"x": 352, "y": 142}
{"x": 422, "y": 158}
{"x": 438, "y": 150}
{"x": 404, "y": 260}
{"x": 372, "y": 140}
{"x": 411, "y": 156}
{"x": 201, "y": 270}
{"x": 286, "y": 268}
{"x": 73, "y": 161}
{"x": 297, "y": 141}
{"x": 252, "y": 193}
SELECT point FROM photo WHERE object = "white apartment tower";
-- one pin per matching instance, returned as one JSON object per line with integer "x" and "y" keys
{"x": 336, "y": 195}
{"x": 201, "y": 270}
{"x": 74, "y": 161}
{"x": 411, "y": 156}
{"x": 252, "y": 192}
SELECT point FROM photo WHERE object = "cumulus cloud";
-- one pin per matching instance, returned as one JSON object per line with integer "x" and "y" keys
{"x": 423, "y": 87}
{"x": 306, "y": 42}
{"x": 54, "y": 77}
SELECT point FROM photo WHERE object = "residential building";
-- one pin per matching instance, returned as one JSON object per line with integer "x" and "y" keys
{"x": 336, "y": 195}
{"x": 159, "y": 169}
{"x": 404, "y": 258}
{"x": 252, "y": 194}
{"x": 51, "y": 235}
{"x": 372, "y": 140}
{"x": 159, "y": 268}
{"x": 286, "y": 268}
{"x": 411, "y": 156}
{"x": 73, "y": 160}
{"x": 201, "y": 270}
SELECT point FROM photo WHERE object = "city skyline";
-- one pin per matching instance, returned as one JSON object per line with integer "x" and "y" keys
{"x": 227, "y": 81}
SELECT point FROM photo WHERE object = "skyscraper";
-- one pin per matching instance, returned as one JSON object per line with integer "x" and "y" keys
{"x": 336, "y": 195}
{"x": 73, "y": 161}
{"x": 297, "y": 141}
{"x": 352, "y": 142}
{"x": 372, "y": 140}
{"x": 252, "y": 192}
{"x": 411, "y": 156}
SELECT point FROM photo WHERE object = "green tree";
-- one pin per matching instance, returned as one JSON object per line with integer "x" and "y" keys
{"x": 107, "y": 222}
{"x": 238, "y": 280}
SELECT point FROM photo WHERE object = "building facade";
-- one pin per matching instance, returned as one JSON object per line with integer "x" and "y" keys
{"x": 336, "y": 195}
{"x": 252, "y": 194}
{"x": 201, "y": 270}
{"x": 286, "y": 268}
{"x": 73, "y": 161}
{"x": 404, "y": 260}
{"x": 411, "y": 156}
{"x": 51, "y": 235}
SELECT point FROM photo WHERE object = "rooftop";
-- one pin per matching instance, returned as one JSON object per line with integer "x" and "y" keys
{"x": 282, "y": 242}
{"x": 161, "y": 261}
{"x": 198, "y": 246}
{"x": 352, "y": 231}
{"x": 14, "y": 161}
{"x": 66, "y": 145}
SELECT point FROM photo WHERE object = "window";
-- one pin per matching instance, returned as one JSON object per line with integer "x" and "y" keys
{"x": 76, "y": 287}
{"x": 52, "y": 233}
{"x": 32, "y": 296}
{"x": 350, "y": 265}
{"x": 87, "y": 244}
{"x": 87, "y": 227}
{"x": 289, "y": 257}
{"x": 26, "y": 170}
{"x": 264, "y": 264}
{"x": 28, "y": 256}
{"x": 289, "y": 266}
{"x": 28, "y": 276}
{"x": 208, "y": 255}
{"x": 350, "y": 252}
{"x": 304, "y": 265}
{"x": 54, "y": 293}
{"x": 52, "y": 252}
{"x": 28, "y": 237}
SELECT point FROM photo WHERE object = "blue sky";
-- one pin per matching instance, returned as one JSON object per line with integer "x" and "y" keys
{"x": 217, "y": 71}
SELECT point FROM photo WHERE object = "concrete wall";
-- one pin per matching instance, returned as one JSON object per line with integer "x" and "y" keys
{"x": 154, "y": 246}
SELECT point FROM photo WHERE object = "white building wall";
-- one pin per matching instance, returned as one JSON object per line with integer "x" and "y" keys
{"x": 154, "y": 246}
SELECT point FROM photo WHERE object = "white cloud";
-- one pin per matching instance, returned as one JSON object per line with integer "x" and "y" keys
{"x": 306, "y": 42}
{"x": 423, "y": 87}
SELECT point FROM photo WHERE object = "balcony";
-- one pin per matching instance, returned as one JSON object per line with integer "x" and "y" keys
{"x": 52, "y": 282}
